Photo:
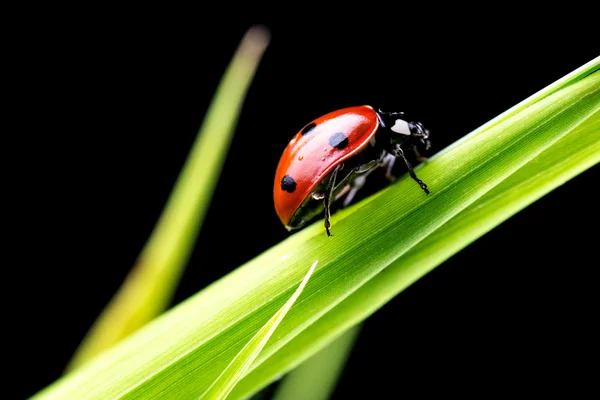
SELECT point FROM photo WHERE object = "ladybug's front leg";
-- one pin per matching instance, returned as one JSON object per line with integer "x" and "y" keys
{"x": 329, "y": 197}
{"x": 399, "y": 153}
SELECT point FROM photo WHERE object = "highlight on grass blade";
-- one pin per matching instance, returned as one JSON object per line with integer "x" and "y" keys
{"x": 149, "y": 287}
{"x": 223, "y": 385}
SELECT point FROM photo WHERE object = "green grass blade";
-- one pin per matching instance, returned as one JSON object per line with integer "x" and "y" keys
{"x": 576, "y": 152}
{"x": 223, "y": 385}
{"x": 180, "y": 354}
{"x": 316, "y": 377}
{"x": 149, "y": 287}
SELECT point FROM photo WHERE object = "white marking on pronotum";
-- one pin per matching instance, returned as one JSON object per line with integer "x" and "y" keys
{"x": 401, "y": 127}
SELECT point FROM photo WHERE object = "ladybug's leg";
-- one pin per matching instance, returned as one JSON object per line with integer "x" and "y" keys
{"x": 418, "y": 155}
{"x": 399, "y": 153}
{"x": 329, "y": 196}
{"x": 357, "y": 178}
{"x": 356, "y": 185}
{"x": 388, "y": 162}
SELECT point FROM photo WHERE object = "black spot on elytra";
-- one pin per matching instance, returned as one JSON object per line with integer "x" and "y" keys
{"x": 288, "y": 184}
{"x": 338, "y": 140}
{"x": 308, "y": 128}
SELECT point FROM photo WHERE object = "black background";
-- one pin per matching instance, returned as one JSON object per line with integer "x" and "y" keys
{"x": 116, "y": 106}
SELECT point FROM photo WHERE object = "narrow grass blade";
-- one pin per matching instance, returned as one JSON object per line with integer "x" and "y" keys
{"x": 575, "y": 153}
{"x": 149, "y": 287}
{"x": 180, "y": 354}
{"x": 238, "y": 366}
{"x": 316, "y": 377}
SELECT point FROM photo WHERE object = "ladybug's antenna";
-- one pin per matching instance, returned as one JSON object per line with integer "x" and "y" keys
{"x": 389, "y": 113}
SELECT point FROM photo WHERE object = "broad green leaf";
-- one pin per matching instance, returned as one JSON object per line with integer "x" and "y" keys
{"x": 238, "y": 366}
{"x": 149, "y": 287}
{"x": 181, "y": 353}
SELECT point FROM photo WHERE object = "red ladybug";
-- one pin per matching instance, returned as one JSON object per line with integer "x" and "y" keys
{"x": 331, "y": 157}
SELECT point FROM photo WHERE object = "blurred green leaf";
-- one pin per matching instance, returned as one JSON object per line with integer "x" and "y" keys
{"x": 316, "y": 377}
{"x": 149, "y": 287}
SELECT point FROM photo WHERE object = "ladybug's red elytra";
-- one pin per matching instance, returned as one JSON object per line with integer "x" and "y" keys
{"x": 331, "y": 157}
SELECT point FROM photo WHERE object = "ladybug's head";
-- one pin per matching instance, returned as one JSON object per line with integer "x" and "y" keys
{"x": 419, "y": 134}
{"x": 407, "y": 131}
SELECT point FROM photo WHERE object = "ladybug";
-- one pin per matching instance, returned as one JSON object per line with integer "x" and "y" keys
{"x": 331, "y": 157}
